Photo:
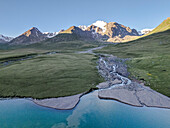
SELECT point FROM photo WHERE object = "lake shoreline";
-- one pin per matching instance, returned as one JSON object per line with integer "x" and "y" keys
{"x": 62, "y": 103}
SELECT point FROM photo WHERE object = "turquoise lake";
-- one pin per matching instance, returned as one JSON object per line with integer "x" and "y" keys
{"x": 91, "y": 112}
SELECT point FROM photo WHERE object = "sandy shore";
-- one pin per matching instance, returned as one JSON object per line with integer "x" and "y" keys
{"x": 62, "y": 103}
{"x": 136, "y": 95}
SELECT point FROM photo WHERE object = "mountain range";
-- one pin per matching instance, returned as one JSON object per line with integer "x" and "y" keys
{"x": 33, "y": 35}
{"x": 102, "y": 31}
{"x": 98, "y": 31}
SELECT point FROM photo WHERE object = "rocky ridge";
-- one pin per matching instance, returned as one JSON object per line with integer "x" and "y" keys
{"x": 85, "y": 35}
{"x": 111, "y": 32}
{"x": 98, "y": 31}
{"x": 31, "y": 36}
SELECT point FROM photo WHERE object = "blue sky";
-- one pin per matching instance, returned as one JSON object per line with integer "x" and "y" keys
{"x": 18, "y": 16}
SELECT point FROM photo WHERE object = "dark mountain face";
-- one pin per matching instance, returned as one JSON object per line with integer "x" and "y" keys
{"x": 33, "y": 35}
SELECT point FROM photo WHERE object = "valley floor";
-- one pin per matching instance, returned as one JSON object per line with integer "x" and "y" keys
{"x": 46, "y": 77}
{"x": 116, "y": 87}
{"x": 49, "y": 75}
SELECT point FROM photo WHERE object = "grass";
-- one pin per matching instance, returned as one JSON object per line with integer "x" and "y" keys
{"x": 50, "y": 76}
{"x": 153, "y": 71}
{"x": 18, "y": 53}
{"x": 150, "y": 59}
{"x": 64, "y": 46}
{"x": 63, "y": 43}
{"x": 13, "y": 52}
{"x": 165, "y": 25}
{"x": 63, "y": 74}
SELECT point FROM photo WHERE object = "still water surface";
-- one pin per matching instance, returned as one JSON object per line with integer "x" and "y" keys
{"x": 91, "y": 112}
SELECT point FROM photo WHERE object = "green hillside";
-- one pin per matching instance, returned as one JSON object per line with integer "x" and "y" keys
{"x": 49, "y": 76}
{"x": 64, "y": 43}
{"x": 62, "y": 74}
{"x": 165, "y": 25}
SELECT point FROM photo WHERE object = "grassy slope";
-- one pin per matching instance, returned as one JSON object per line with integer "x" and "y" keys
{"x": 65, "y": 46}
{"x": 164, "y": 26}
{"x": 49, "y": 76}
{"x": 150, "y": 59}
{"x": 62, "y": 74}
{"x": 63, "y": 43}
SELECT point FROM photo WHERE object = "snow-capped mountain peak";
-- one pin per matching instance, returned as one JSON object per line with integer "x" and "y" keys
{"x": 144, "y": 31}
{"x": 83, "y": 27}
{"x": 50, "y": 34}
{"x": 100, "y": 24}
{"x": 4, "y": 39}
